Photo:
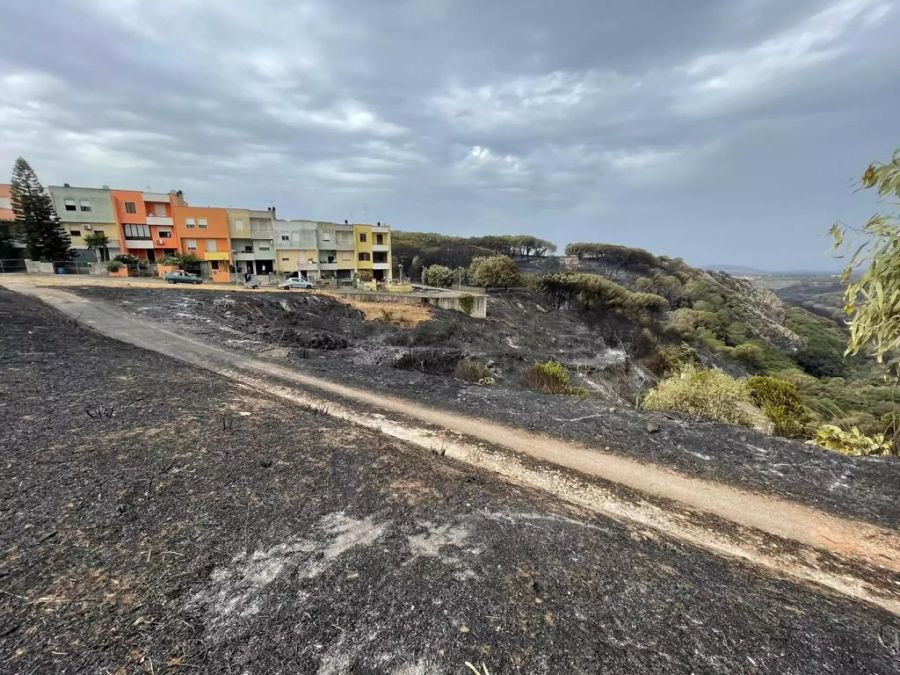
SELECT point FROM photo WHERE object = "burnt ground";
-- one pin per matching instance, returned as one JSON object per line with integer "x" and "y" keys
{"x": 149, "y": 524}
{"x": 323, "y": 336}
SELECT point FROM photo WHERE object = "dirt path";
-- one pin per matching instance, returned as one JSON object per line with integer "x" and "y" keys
{"x": 856, "y": 545}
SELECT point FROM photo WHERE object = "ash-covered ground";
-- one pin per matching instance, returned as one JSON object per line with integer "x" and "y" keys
{"x": 157, "y": 518}
{"x": 320, "y": 335}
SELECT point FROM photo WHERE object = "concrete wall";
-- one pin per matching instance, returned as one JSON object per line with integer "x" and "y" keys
{"x": 448, "y": 301}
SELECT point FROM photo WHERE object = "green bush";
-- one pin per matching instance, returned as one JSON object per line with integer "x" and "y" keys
{"x": 671, "y": 359}
{"x": 114, "y": 265}
{"x": 751, "y": 355}
{"x": 701, "y": 393}
{"x": 437, "y": 275}
{"x": 467, "y": 303}
{"x": 549, "y": 377}
{"x": 781, "y": 403}
{"x": 497, "y": 271}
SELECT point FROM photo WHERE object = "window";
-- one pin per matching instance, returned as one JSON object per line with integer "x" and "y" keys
{"x": 70, "y": 205}
{"x": 214, "y": 264}
{"x": 164, "y": 234}
{"x": 248, "y": 248}
{"x": 362, "y": 236}
{"x": 239, "y": 224}
{"x": 201, "y": 223}
{"x": 379, "y": 239}
{"x": 189, "y": 222}
{"x": 326, "y": 236}
{"x": 159, "y": 211}
{"x": 192, "y": 244}
{"x": 363, "y": 257}
{"x": 285, "y": 237}
{"x": 263, "y": 247}
{"x": 75, "y": 233}
{"x": 211, "y": 245}
{"x": 137, "y": 231}
{"x": 85, "y": 205}
{"x": 285, "y": 260}
{"x": 130, "y": 207}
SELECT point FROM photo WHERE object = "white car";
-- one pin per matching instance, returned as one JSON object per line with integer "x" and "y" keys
{"x": 295, "y": 283}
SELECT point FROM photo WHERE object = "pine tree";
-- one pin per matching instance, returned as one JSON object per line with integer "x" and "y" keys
{"x": 36, "y": 219}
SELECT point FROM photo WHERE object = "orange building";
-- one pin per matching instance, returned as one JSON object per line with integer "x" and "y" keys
{"x": 147, "y": 227}
{"x": 6, "y": 212}
{"x": 203, "y": 231}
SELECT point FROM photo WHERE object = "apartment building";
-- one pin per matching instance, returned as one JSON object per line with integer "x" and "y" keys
{"x": 373, "y": 251}
{"x": 146, "y": 222}
{"x": 6, "y": 212}
{"x": 204, "y": 231}
{"x": 297, "y": 247}
{"x": 85, "y": 211}
{"x": 252, "y": 240}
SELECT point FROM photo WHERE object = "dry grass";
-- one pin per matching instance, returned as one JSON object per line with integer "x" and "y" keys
{"x": 398, "y": 314}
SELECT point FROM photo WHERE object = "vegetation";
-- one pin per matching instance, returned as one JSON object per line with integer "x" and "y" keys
{"x": 497, "y": 271}
{"x": 550, "y": 377}
{"x": 114, "y": 265}
{"x": 417, "y": 250}
{"x": 852, "y": 442}
{"x": 702, "y": 393}
{"x": 98, "y": 242}
{"x": 467, "y": 303}
{"x": 620, "y": 256}
{"x": 873, "y": 299}
{"x": 781, "y": 403}
{"x": 671, "y": 359}
{"x": 437, "y": 275}
{"x": 36, "y": 220}
{"x": 472, "y": 370}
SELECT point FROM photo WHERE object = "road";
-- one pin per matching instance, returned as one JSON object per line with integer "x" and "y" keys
{"x": 856, "y": 559}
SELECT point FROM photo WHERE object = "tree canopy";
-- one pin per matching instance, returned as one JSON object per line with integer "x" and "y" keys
{"x": 36, "y": 220}
{"x": 873, "y": 298}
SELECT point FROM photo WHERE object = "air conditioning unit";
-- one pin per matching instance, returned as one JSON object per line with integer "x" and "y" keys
{"x": 159, "y": 241}
{"x": 88, "y": 227}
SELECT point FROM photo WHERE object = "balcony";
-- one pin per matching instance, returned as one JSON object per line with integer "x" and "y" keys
{"x": 244, "y": 255}
{"x": 307, "y": 266}
{"x": 324, "y": 266}
{"x": 139, "y": 243}
{"x": 381, "y": 248}
{"x": 381, "y": 266}
{"x": 160, "y": 220}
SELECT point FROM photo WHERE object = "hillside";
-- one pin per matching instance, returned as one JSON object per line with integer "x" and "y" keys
{"x": 659, "y": 314}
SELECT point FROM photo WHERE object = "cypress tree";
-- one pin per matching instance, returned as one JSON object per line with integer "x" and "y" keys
{"x": 36, "y": 219}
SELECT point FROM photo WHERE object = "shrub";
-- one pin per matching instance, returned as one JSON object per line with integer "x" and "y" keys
{"x": 114, "y": 265}
{"x": 127, "y": 259}
{"x": 467, "y": 303}
{"x": 472, "y": 370}
{"x": 437, "y": 275}
{"x": 549, "y": 377}
{"x": 750, "y": 355}
{"x": 852, "y": 442}
{"x": 781, "y": 403}
{"x": 672, "y": 359}
{"x": 702, "y": 393}
{"x": 495, "y": 271}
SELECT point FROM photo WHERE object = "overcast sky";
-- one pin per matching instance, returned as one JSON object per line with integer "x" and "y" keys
{"x": 720, "y": 131}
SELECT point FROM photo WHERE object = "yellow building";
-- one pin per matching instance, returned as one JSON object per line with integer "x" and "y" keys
{"x": 373, "y": 250}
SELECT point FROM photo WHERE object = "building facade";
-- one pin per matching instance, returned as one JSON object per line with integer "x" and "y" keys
{"x": 203, "y": 231}
{"x": 86, "y": 211}
{"x": 373, "y": 251}
{"x": 252, "y": 240}
{"x": 6, "y": 212}
{"x": 146, "y": 222}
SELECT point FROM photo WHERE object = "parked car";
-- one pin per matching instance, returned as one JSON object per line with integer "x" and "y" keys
{"x": 180, "y": 277}
{"x": 295, "y": 283}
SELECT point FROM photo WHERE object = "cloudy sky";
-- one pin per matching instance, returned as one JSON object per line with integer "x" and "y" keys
{"x": 720, "y": 131}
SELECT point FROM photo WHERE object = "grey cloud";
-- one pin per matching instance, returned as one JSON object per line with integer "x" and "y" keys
{"x": 705, "y": 130}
